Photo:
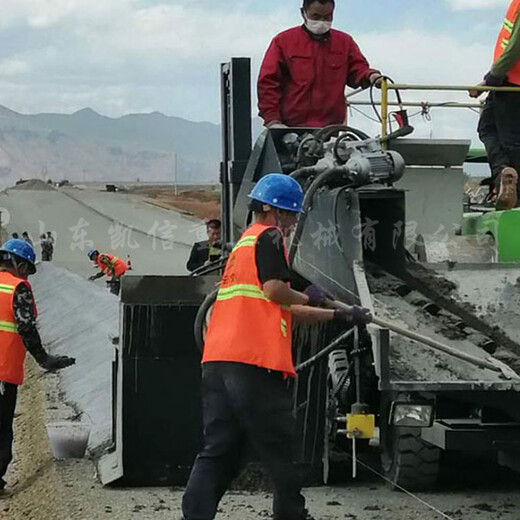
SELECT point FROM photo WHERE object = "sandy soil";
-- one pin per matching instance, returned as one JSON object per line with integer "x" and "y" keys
{"x": 203, "y": 203}
{"x": 31, "y": 477}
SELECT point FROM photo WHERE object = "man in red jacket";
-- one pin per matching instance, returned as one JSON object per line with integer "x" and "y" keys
{"x": 306, "y": 69}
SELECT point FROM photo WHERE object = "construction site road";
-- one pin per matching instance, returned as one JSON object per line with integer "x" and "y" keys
{"x": 43, "y": 489}
{"x": 158, "y": 243}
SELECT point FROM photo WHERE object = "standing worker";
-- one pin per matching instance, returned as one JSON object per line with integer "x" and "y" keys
{"x": 499, "y": 127}
{"x": 27, "y": 238}
{"x": 306, "y": 70}
{"x": 47, "y": 247}
{"x": 247, "y": 358}
{"x": 209, "y": 250}
{"x": 109, "y": 265}
{"x": 18, "y": 333}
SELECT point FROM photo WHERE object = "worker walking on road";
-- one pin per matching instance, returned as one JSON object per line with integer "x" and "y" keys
{"x": 109, "y": 265}
{"x": 499, "y": 127}
{"x": 247, "y": 361}
{"x": 306, "y": 69}
{"x": 18, "y": 334}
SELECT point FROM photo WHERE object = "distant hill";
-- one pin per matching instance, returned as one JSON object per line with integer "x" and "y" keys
{"x": 91, "y": 147}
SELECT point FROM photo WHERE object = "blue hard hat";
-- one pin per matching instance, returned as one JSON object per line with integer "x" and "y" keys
{"x": 21, "y": 249}
{"x": 279, "y": 191}
{"x": 91, "y": 253}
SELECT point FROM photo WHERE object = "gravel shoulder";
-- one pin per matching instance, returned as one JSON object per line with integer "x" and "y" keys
{"x": 43, "y": 489}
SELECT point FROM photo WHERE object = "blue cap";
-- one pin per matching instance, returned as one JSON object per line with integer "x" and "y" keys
{"x": 279, "y": 191}
{"x": 21, "y": 249}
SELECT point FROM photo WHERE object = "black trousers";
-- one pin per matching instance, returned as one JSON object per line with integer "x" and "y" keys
{"x": 244, "y": 404}
{"x": 499, "y": 130}
{"x": 7, "y": 407}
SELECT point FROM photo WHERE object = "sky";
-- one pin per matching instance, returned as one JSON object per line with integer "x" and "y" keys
{"x": 128, "y": 56}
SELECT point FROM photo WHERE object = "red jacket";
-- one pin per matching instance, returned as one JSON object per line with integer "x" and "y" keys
{"x": 302, "y": 81}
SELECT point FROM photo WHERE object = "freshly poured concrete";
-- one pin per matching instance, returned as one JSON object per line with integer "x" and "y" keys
{"x": 77, "y": 228}
{"x": 79, "y": 319}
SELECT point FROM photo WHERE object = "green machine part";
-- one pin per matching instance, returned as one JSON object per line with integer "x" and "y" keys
{"x": 504, "y": 227}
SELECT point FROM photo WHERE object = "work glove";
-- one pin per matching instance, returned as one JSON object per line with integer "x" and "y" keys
{"x": 51, "y": 363}
{"x": 316, "y": 295}
{"x": 92, "y": 278}
{"x": 358, "y": 316}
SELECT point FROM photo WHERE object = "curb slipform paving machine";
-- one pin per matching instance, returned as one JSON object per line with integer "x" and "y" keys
{"x": 436, "y": 371}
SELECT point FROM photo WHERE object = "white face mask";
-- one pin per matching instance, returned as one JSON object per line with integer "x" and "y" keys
{"x": 317, "y": 26}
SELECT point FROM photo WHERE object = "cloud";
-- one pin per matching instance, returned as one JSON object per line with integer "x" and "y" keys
{"x": 427, "y": 57}
{"x": 120, "y": 56}
{"x": 466, "y": 5}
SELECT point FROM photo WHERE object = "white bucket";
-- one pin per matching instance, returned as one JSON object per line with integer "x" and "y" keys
{"x": 69, "y": 440}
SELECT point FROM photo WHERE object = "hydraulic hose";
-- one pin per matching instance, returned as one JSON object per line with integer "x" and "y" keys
{"x": 307, "y": 171}
{"x": 325, "y": 177}
{"x": 200, "y": 319}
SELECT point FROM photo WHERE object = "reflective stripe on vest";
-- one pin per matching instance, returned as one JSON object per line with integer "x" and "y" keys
{"x": 245, "y": 326}
{"x": 12, "y": 348}
{"x": 244, "y": 290}
{"x": 8, "y": 289}
{"x": 7, "y": 326}
{"x": 504, "y": 39}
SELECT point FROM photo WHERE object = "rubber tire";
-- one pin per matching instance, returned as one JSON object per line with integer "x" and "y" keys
{"x": 200, "y": 319}
{"x": 409, "y": 461}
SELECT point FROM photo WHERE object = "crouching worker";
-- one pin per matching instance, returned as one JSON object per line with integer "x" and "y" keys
{"x": 109, "y": 265}
{"x": 18, "y": 333}
{"x": 248, "y": 359}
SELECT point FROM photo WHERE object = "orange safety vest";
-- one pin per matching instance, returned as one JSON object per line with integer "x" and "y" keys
{"x": 12, "y": 348}
{"x": 245, "y": 326}
{"x": 120, "y": 265}
{"x": 504, "y": 38}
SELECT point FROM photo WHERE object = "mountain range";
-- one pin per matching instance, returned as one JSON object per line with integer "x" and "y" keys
{"x": 87, "y": 146}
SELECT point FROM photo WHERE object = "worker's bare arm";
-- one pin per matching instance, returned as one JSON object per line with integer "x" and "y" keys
{"x": 305, "y": 314}
{"x": 279, "y": 292}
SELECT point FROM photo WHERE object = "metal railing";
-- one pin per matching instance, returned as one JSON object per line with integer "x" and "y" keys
{"x": 387, "y": 86}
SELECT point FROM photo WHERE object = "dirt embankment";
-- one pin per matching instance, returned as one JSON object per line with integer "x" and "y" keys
{"x": 31, "y": 477}
{"x": 203, "y": 203}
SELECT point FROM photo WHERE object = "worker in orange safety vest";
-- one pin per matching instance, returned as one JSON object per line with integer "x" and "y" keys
{"x": 498, "y": 128}
{"x": 18, "y": 334}
{"x": 109, "y": 265}
{"x": 247, "y": 361}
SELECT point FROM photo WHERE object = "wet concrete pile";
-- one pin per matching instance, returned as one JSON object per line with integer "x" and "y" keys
{"x": 430, "y": 303}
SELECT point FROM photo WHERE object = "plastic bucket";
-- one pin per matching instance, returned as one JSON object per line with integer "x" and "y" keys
{"x": 68, "y": 440}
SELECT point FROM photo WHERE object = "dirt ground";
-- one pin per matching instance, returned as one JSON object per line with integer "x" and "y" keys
{"x": 31, "y": 477}
{"x": 203, "y": 203}
{"x": 43, "y": 489}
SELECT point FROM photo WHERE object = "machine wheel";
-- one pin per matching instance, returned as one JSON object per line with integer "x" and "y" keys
{"x": 202, "y": 319}
{"x": 408, "y": 461}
